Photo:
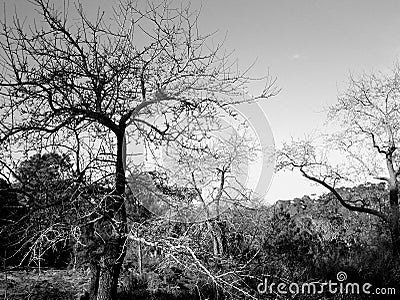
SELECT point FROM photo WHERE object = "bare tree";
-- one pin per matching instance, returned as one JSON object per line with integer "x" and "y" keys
{"x": 366, "y": 147}
{"x": 199, "y": 183}
{"x": 92, "y": 86}
{"x": 218, "y": 173}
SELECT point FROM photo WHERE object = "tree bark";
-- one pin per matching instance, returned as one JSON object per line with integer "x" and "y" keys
{"x": 115, "y": 220}
{"x": 394, "y": 219}
{"x": 395, "y": 235}
{"x": 218, "y": 237}
{"x": 109, "y": 271}
{"x": 94, "y": 281}
{"x": 394, "y": 204}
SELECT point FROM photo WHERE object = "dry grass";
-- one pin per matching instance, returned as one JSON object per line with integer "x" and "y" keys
{"x": 47, "y": 284}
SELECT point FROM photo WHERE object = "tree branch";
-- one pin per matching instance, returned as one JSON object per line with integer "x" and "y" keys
{"x": 341, "y": 200}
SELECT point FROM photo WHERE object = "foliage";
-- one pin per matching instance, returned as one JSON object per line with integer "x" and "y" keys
{"x": 366, "y": 144}
{"x": 40, "y": 227}
{"x": 305, "y": 240}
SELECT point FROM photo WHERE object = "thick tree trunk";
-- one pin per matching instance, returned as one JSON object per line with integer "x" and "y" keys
{"x": 115, "y": 228}
{"x": 109, "y": 271}
{"x": 94, "y": 281}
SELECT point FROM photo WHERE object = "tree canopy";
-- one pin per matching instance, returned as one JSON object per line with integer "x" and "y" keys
{"x": 90, "y": 87}
{"x": 366, "y": 147}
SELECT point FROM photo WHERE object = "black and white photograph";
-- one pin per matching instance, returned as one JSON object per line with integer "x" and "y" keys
{"x": 205, "y": 150}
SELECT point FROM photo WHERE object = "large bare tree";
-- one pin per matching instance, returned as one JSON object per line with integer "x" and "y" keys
{"x": 94, "y": 85}
{"x": 365, "y": 148}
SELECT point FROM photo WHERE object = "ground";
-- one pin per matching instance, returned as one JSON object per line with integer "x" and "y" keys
{"x": 46, "y": 284}
{"x": 70, "y": 285}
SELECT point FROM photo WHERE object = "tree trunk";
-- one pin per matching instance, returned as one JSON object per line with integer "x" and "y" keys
{"x": 218, "y": 238}
{"x": 395, "y": 235}
{"x": 394, "y": 217}
{"x": 94, "y": 281}
{"x": 115, "y": 228}
{"x": 109, "y": 271}
{"x": 395, "y": 230}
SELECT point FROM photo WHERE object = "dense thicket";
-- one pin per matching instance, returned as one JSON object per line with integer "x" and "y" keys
{"x": 300, "y": 241}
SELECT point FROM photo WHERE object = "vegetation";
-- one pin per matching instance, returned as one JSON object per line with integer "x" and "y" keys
{"x": 302, "y": 241}
{"x": 368, "y": 141}
{"x": 90, "y": 222}
{"x": 144, "y": 74}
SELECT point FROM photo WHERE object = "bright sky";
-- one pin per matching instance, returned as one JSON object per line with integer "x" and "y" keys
{"x": 311, "y": 46}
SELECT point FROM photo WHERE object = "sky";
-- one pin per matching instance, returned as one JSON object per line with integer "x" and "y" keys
{"x": 311, "y": 46}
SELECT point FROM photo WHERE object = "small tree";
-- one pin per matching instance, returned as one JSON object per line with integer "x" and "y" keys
{"x": 92, "y": 86}
{"x": 217, "y": 170}
{"x": 38, "y": 211}
{"x": 368, "y": 113}
{"x": 10, "y": 214}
